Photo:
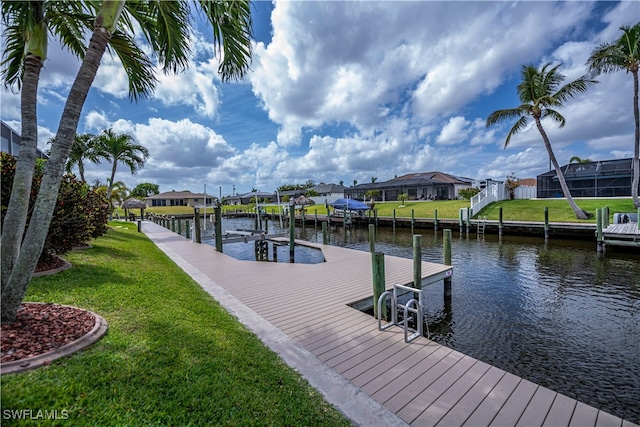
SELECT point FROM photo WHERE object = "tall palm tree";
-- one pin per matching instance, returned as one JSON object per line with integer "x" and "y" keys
{"x": 26, "y": 49}
{"x": 167, "y": 29}
{"x": 120, "y": 148}
{"x": 623, "y": 54}
{"x": 540, "y": 93}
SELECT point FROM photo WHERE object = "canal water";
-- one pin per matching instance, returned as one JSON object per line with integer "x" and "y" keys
{"x": 555, "y": 312}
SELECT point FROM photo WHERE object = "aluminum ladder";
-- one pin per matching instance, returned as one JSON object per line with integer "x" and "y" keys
{"x": 412, "y": 306}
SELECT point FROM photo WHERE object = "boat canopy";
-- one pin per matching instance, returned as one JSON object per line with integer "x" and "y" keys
{"x": 350, "y": 204}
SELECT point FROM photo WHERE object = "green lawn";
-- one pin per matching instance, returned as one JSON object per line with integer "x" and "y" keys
{"x": 172, "y": 355}
{"x": 512, "y": 210}
{"x": 559, "y": 210}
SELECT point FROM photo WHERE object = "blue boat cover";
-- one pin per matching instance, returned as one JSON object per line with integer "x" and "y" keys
{"x": 350, "y": 204}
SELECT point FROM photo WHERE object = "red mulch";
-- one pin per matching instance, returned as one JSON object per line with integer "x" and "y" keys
{"x": 40, "y": 328}
{"x": 49, "y": 263}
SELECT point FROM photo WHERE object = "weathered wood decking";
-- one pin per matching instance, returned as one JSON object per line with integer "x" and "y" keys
{"x": 423, "y": 383}
{"x": 627, "y": 234}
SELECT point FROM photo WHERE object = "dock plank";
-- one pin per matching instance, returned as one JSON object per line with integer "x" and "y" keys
{"x": 423, "y": 383}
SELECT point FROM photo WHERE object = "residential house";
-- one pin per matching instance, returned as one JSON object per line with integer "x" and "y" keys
{"x": 179, "y": 198}
{"x": 419, "y": 186}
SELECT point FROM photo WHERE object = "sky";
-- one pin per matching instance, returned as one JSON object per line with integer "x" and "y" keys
{"x": 350, "y": 91}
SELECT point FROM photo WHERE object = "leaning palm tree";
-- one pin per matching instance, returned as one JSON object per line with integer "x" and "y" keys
{"x": 120, "y": 148}
{"x": 540, "y": 93}
{"x": 167, "y": 28}
{"x": 623, "y": 54}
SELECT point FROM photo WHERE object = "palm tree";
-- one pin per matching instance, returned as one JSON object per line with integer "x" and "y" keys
{"x": 120, "y": 148}
{"x": 403, "y": 197}
{"x": 166, "y": 27}
{"x": 540, "y": 92}
{"x": 623, "y": 54}
{"x": 26, "y": 49}
{"x": 579, "y": 160}
{"x": 119, "y": 193}
{"x": 83, "y": 148}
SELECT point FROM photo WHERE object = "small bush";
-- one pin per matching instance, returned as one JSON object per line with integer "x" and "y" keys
{"x": 468, "y": 193}
{"x": 80, "y": 213}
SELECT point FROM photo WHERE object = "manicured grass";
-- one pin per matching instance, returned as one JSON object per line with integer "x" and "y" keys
{"x": 172, "y": 355}
{"x": 512, "y": 210}
{"x": 559, "y": 209}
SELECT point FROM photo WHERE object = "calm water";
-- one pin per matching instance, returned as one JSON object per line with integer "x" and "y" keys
{"x": 556, "y": 314}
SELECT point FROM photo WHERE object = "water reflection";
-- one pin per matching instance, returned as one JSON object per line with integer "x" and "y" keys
{"x": 553, "y": 312}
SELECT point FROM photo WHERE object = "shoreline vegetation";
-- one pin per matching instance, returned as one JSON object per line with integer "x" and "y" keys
{"x": 528, "y": 210}
{"x": 172, "y": 355}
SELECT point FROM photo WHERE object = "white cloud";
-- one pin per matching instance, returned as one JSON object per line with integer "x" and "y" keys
{"x": 454, "y": 132}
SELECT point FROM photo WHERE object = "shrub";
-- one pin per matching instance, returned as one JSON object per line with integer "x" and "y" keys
{"x": 468, "y": 193}
{"x": 80, "y": 213}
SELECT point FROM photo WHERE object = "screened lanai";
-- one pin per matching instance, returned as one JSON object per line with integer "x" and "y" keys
{"x": 605, "y": 178}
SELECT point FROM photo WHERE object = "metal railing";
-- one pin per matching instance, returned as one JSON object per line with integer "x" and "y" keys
{"x": 412, "y": 306}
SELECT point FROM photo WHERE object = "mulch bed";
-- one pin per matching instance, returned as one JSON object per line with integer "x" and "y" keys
{"x": 40, "y": 328}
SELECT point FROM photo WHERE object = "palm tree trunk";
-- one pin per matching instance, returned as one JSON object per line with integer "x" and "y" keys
{"x": 16, "y": 217}
{"x": 81, "y": 171}
{"x": 580, "y": 214}
{"x": 16, "y": 286}
{"x": 636, "y": 151}
{"x": 110, "y": 187}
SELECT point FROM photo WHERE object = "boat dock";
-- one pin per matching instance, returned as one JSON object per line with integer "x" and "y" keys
{"x": 302, "y": 312}
{"x": 627, "y": 234}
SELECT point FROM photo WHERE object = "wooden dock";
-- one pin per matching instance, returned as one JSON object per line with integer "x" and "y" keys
{"x": 423, "y": 383}
{"x": 626, "y": 234}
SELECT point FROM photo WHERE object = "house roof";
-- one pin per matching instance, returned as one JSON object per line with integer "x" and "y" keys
{"x": 417, "y": 180}
{"x": 528, "y": 182}
{"x": 178, "y": 195}
{"x": 256, "y": 193}
{"x": 328, "y": 188}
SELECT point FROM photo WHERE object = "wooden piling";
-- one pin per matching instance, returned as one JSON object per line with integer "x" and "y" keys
{"x": 417, "y": 261}
{"x": 180, "y": 227}
{"x": 325, "y": 234}
{"x": 413, "y": 220}
{"x": 372, "y": 238}
{"x": 435, "y": 220}
{"x": 546, "y": 223}
{"x": 500, "y": 224}
{"x": 446, "y": 235}
{"x": 292, "y": 232}
{"x": 460, "y": 219}
{"x": 173, "y": 224}
{"x": 379, "y": 285}
{"x": 468, "y": 222}
{"x": 394, "y": 220}
{"x": 599, "y": 236}
{"x": 196, "y": 225}
{"x": 187, "y": 229}
{"x": 217, "y": 212}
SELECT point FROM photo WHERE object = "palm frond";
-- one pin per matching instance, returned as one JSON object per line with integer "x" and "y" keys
{"x": 555, "y": 116}
{"x": 136, "y": 63}
{"x": 517, "y": 127}
{"x": 504, "y": 115}
{"x": 232, "y": 33}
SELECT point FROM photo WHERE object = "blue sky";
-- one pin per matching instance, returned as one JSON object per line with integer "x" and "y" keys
{"x": 344, "y": 91}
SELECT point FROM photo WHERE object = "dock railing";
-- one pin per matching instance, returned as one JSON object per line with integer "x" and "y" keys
{"x": 488, "y": 195}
